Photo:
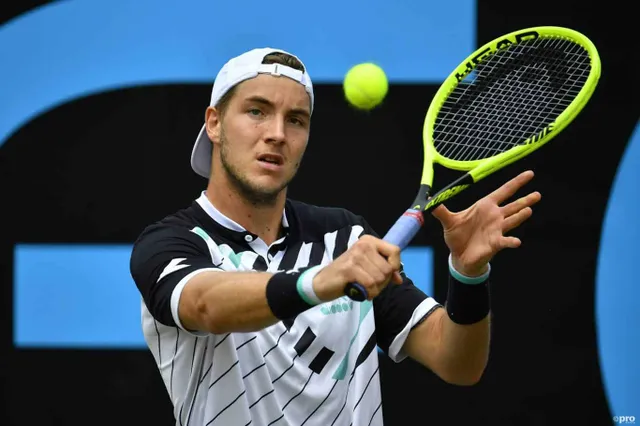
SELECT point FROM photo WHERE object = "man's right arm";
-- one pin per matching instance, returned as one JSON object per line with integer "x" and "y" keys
{"x": 182, "y": 287}
{"x": 222, "y": 302}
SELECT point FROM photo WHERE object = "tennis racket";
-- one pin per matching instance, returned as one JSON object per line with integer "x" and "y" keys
{"x": 504, "y": 101}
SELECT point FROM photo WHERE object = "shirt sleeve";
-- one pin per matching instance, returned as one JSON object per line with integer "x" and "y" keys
{"x": 397, "y": 310}
{"x": 164, "y": 258}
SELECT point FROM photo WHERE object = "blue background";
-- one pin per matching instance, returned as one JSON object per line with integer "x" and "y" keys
{"x": 83, "y": 296}
{"x": 618, "y": 287}
{"x": 79, "y": 48}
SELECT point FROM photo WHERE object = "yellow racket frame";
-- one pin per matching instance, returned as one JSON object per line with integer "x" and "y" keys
{"x": 479, "y": 169}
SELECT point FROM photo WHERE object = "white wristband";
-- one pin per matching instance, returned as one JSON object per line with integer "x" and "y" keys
{"x": 305, "y": 286}
{"x": 465, "y": 279}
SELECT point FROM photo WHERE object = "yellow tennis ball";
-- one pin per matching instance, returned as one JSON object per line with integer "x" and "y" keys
{"x": 365, "y": 85}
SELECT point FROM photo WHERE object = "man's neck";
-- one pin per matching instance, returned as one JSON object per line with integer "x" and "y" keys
{"x": 264, "y": 221}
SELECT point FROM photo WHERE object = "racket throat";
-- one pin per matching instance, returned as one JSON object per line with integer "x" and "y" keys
{"x": 454, "y": 188}
{"x": 421, "y": 200}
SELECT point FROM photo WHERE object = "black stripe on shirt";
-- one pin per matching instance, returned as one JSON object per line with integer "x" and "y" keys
{"x": 299, "y": 393}
{"x": 195, "y": 394}
{"x": 288, "y": 323}
{"x": 320, "y": 405}
{"x": 305, "y": 341}
{"x": 365, "y": 388}
{"x": 276, "y": 420}
{"x": 225, "y": 408}
{"x": 224, "y": 374}
{"x": 260, "y": 399}
{"x": 366, "y": 350}
{"x": 247, "y": 341}
{"x": 342, "y": 241}
{"x": 193, "y": 355}
{"x": 274, "y": 249}
{"x": 290, "y": 257}
{"x": 260, "y": 264}
{"x": 288, "y": 368}
{"x": 323, "y": 357}
{"x": 317, "y": 253}
{"x": 206, "y": 373}
{"x": 175, "y": 353}
{"x": 346, "y": 397}
{"x": 277, "y": 342}
{"x": 232, "y": 366}
{"x": 374, "y": 413}
{"x": 214, "y": 354}
{"x": 223, "y": 339}
{"x": 251, "y": 372}
{"x": 155, "y": 323}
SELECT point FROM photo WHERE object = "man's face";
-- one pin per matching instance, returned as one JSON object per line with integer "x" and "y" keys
{"x": 262, "y": 136}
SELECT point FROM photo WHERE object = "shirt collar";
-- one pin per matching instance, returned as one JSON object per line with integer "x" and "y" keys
{"x": 229, "y": 223}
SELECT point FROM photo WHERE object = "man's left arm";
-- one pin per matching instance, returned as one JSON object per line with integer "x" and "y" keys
{"x": 454, "y": 342}
{"x": 410, "y": 323}
{"x": 451, "y": 340}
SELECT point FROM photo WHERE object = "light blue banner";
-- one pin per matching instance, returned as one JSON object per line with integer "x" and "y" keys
{"x": 618, "y": 289}
{"x": 83, "y": 296}
{"x": 72, "y": 49}
{"x": 75, "y": 296}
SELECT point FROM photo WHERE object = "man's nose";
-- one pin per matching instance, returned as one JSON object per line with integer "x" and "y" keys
{"x": 276, "y": 130}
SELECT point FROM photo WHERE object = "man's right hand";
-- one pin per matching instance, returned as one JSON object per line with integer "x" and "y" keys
{"x": 370, "y": 262}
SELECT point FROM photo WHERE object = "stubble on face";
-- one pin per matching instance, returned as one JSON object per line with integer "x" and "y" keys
{"x": 257, "y": 195}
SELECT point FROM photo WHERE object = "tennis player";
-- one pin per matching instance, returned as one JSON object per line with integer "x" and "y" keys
{"x": 242, "y": 291}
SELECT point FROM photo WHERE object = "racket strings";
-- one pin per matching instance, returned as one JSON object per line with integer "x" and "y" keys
{"x": 511, "y": 96}
{"x": 481, "y": 111}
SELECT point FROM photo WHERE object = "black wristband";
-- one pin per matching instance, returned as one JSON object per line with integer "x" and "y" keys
{"x": 282, "y": 295}
{"x": 467, "y": 303}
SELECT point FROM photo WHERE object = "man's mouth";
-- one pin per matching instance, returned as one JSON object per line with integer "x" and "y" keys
{"x": 276, "y": 159}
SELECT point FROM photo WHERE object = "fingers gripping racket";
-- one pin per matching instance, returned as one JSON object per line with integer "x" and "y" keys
{"x": 504, "y": 101}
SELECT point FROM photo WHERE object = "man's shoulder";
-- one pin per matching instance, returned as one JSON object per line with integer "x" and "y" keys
{"x": 176, "y": 224}
{"x": 323, "y": 218}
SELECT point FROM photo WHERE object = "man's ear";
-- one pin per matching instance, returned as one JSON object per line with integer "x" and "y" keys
{"x": 213, "y": 123}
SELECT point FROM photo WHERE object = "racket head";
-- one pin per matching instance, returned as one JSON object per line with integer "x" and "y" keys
{"x": 508, "y": 98}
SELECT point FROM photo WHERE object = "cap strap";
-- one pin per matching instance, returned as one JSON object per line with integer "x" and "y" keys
{"x": 279, "y": 69}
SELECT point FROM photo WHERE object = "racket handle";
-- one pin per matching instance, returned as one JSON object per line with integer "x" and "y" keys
{"x": 400, "y": 234}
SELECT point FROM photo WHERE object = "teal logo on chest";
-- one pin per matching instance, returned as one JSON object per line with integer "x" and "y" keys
{"x": 336, "y": 308}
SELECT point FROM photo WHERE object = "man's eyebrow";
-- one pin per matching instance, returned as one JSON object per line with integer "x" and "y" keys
{"x": 267, "y": 102}
{"x": 259, "y": 100}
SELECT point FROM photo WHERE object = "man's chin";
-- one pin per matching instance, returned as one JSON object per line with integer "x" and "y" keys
{"x": 269, "y": 185}
{"x": 262, "y": 193}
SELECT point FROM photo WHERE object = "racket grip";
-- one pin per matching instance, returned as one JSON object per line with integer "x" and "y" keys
{"x": 400, "y": 234}
{"x": 405, "y": 228}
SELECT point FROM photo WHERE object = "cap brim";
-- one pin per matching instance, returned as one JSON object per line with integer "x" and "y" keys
{"x": 201, "y": 154}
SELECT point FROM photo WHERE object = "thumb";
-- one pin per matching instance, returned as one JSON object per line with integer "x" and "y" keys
{"x": 443, "y": 215}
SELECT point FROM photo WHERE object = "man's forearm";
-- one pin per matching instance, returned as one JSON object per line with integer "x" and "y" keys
{"x": 466, "y": 327}
{"x": 465, "y": 350}
{"x": 222, "y": 302}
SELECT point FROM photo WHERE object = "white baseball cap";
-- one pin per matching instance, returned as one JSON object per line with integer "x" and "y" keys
{"x": 246, "y": 66}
